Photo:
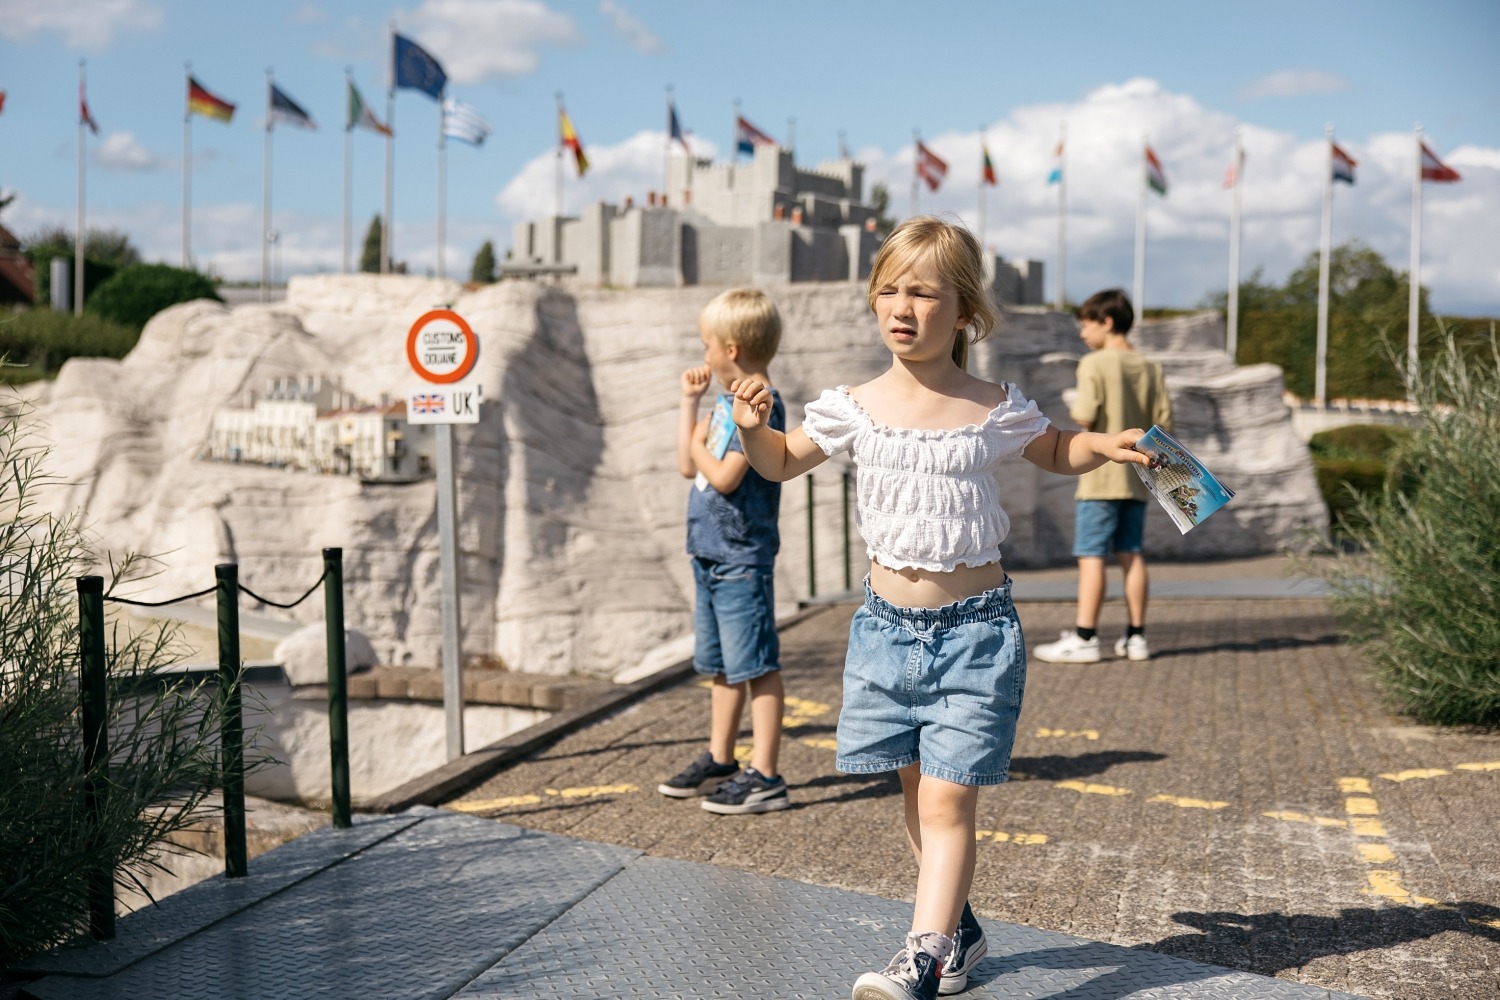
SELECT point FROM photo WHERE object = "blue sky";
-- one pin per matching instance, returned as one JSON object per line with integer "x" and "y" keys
{"x": 1187, "y": 74}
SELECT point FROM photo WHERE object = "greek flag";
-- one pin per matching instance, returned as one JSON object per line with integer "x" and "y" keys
{"x": 463, "y": 123}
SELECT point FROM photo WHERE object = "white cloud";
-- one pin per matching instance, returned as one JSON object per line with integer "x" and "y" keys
{"x": 91, "y": 25}
{"x": 637, "y": 34}
{"x": 629, "y": 169}
{"x": 478, "y": 39}
{"x": 1293, "y": 83}
{"x": 308, "y": 13}
{"x": 121, "y": 151}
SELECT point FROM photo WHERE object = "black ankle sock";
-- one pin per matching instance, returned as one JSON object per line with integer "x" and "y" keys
{"x": 1086, "y": 633}
{"x": 1135, "y": 630}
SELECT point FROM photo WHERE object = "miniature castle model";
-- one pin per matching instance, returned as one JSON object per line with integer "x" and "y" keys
{"x": 760, "y": 223}
{"x": 312, "y": 425}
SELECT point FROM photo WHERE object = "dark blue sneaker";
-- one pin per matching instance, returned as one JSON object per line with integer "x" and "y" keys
{"x": 969, "y": 947}
{"x": 748, "y": 792}
{"x": 912, "y": 975}
{"x": 694, "y": 779}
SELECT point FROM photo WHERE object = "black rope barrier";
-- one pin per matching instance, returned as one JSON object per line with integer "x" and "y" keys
{"x": 318, "y": 583}
{"x": 159, "y": 604}
{"x": 204, "y": 593}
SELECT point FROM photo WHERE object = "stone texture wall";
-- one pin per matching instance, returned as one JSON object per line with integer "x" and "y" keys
{"x": 571, "y": 507}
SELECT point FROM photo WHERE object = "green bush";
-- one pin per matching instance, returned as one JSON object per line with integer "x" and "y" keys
{"x": 1351, "y": 463}
{"x": 140, "y": 291}
{"x": 41, "y": 340}
{"x": 1370, "y": 441}
{"x": 105, "y": 251}
{"x": 1424, "y": 591}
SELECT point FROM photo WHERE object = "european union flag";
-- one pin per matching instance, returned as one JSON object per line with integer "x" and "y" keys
{"x": 416, "y": 70}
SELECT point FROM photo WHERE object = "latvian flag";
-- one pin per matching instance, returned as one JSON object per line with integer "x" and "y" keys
{"x": 1434, "y": 169}
{"x": 1343, "y": 164}
{"x": 930, "y": 167}
{"x": 747, "y": 137}
{"x": 1156, "y": 177}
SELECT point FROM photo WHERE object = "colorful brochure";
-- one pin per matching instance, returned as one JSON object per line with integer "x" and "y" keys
{"x": 1180, "y": 483}
{"x": 720, "y": 428}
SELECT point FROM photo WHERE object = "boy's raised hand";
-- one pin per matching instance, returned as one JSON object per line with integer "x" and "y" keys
{"x": 752, "y": 403}
{"x": 695, "y": 382}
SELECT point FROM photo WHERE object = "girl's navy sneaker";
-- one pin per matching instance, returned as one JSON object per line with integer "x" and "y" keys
{"x": 749, "y": 792}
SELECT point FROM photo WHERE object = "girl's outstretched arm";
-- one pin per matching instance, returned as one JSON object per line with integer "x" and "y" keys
{"x": 1072, "y": 453}
{"x": 776, "y": 456}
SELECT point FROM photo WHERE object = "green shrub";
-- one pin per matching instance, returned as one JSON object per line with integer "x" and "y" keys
{"x": 1351, "y": 463}
{"x": 41, "y": 340}
{"x": 1424, "y": 592}
{"x": 105, "y": 251}
{"x": 140, "y": 291}
{"x": 1371, "y": 441}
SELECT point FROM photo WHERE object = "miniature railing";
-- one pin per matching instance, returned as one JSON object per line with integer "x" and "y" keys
{"x": 95, "y": 709}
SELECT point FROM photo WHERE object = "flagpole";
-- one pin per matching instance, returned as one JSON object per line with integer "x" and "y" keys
{"x": 386, "y": 223}
{"x": 557, "y": 201}
{"x": 916, "y": 161}
{"x": 1320, "y": 375}
{"x": 1414, "y": 276}
{"x": 1232, "y": 325}
{"x": 1138, "y": 288}
{"x": 980, "y": 232}
{"x": 442, "y": 185}
{"x": 1062, "y": 202}
{"x": 78, "y": 238}
{"x": 666, "y": 153}
{"x": 187, "y": 159}
{"x": 791, "y": 136}
{"x": 734, "y": 142}
{"x": 348, "y": 162}
{"x": 265, "y": 201}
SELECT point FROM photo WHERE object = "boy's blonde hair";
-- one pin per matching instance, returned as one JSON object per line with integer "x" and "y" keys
{"x": 959, "y": 260}
{"x": 746, "y": 318}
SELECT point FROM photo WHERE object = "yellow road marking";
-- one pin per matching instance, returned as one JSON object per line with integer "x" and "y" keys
{"x": 589, "y": 791}
{"x": 1365, "y": 827}
{"x": 1376, "y": 854}
{"x": 1296, "y": 817}
{"x": 1188, "y": 803}
{"x": 743, "y": 752}
{"x": 1086, "y": 734}
{"x": 820, "y": 743}
{"x": 1092, "y": 789}
{"x": 1354, "y": 786}
{"x": 800, "y": 711}
{"x": 1415, "y": 774}
{"x": 1388, "y": 884}
{"x": 1358, "y": 806}
{"x": 1488, "y": 765}
{"x": 1004, "y": 837}
{"x": 1491, "y": 923}
{"x": 484, "y": 805}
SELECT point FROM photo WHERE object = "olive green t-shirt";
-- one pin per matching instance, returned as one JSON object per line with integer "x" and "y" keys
{"x": 1118, "y": 389}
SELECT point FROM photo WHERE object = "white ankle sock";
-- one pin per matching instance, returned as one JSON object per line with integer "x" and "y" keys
{"x": 939, "y": 946}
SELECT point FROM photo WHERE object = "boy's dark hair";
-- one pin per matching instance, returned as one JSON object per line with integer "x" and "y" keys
{"x": 1111, "y": 304}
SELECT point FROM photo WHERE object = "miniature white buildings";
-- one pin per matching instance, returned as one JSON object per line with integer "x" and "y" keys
{"x": 310, "y": 424}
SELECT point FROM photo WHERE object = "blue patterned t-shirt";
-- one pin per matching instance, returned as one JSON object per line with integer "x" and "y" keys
{"x": 739, "y": 527}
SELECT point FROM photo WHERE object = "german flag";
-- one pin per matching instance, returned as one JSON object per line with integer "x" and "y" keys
{"x": 201, "y": 102}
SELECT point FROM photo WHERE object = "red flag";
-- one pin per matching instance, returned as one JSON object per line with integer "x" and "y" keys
{"x": 84, "y": 118}
{"x": 930, "y": 167}
{"x": 2, "y": 100}
{"x": 1434, "y": 169}
{"x": 1235, "y": 172}
{"x": 987, "y": 169}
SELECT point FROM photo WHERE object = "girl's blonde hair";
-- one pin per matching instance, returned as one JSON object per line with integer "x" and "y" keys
{"x": 959, "y": 260}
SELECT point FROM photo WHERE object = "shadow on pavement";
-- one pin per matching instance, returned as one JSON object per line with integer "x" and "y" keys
{"x": 1119, "y": 975}
{"x": 1057, "y": 767}
{"x": 1268, "y": 943}
{"x": 1270, "y": 643}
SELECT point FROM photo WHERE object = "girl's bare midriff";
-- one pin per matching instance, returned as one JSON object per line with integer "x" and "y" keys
{"x": 921, "y": 588}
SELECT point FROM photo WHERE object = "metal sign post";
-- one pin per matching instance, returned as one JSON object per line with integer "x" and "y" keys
{"x": 442, "y": 349}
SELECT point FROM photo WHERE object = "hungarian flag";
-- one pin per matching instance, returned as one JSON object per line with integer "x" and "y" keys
{"x": 987, "y": 169}
{"x": 201, "y": 102}
{"x": 930, "y": 167}
{"x": 570, "y": 140}
{"x": 1343, "y": 163}
{"x": 360, "y": 115}
{"x": 747, "y": 137}
{"x": 288, "y": 111}
{"x": 84, "y": 118}
{"x": 1156, "y": 177}
{"x": 1434, "y": 169}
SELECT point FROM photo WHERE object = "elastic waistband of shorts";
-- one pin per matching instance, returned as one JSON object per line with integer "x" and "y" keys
{"x": 986, "y": 607}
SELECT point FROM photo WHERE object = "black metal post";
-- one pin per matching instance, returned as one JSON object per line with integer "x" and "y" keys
{"x": 94, "y": 708}
{"x": 232, "y": 731}
{"x": 338, "y": 684}
{"x": 812, "y": 552}
{"x": 848, "y": 559}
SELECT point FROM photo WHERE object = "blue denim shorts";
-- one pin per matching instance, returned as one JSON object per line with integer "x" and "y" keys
{"x": 941, "y": 686}
{"x": 1104, "y": 527}
{"x": 734, "y": 621}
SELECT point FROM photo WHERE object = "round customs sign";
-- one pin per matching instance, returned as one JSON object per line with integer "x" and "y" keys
{"x": 441, "y": 346}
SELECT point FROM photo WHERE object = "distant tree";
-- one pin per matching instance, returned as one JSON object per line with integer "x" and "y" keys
{"x": 5, "y": 200}
{"x": 105, "y": 251}
{"x": 880, "y": 201}
{"x": 138, "y": 292}
{"x": 483, "y": 271}
{"x": 369, "y": 258}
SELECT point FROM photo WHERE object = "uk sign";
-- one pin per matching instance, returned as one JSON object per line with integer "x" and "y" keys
{"x": 453, "y": 404}
{"x": 442, "y": 349}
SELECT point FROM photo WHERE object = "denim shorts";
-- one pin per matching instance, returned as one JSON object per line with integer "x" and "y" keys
{"x": 734, "y": 621}
{"x": 1104, "y": 527}
{"x": 941, "y": 686}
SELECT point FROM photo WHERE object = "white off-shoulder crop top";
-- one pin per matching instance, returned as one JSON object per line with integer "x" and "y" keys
{"x": 926, "y": 499}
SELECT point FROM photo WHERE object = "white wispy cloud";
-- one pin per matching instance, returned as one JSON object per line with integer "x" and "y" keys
{"x": 90, "y": 26}
{"x": 640, "y": 37}
{"x": 122, "y": 151}
{"x": 1293, "y": 83}
{"x": 308, "y": 13}
{"x": 475, "y": 40}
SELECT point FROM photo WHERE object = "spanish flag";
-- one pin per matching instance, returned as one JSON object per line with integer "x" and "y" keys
{"x": 570, "y": 140}
{"x": 201, "y": 102}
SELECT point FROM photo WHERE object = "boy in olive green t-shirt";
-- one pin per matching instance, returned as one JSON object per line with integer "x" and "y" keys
{"x": 1118, "y": 389}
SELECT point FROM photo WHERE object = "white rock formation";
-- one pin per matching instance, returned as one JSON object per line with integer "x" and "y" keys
{"x": 571, "y": 508}
{"x": 303, "y": 655}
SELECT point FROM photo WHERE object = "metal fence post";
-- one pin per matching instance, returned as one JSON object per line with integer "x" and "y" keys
{"x": 848, "y": 568}
{"x": 338, "y": 684}
{"x": 94, "y": 708}
{"x": 232, "y": 731}
{"x": 812, "y": 552}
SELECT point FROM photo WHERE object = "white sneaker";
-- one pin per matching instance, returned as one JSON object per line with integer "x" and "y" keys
{"x": 1069, "y": 648}
{"x": 1133, "y": 646}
